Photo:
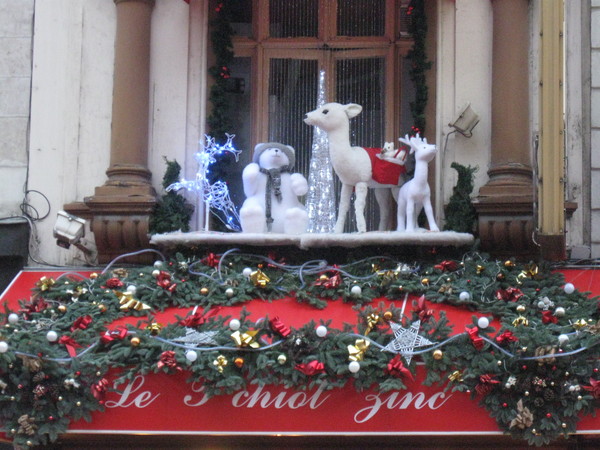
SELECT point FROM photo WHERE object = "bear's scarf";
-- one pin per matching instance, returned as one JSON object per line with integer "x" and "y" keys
{"x": 273, "y": 186}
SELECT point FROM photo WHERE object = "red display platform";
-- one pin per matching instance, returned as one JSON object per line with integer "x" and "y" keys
{"x": 168, "y": 404}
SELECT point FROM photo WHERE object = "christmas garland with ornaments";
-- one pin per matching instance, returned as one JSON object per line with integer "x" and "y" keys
{"x": 536, "y": 374}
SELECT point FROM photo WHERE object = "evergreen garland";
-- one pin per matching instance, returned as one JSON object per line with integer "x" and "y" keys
{"x": 219, "y": 119}
{"x": 536, "y": 374}
{"x": 460, "y": 214}
{"x": 172, "y": 212}
{"x": 419, "y": 63}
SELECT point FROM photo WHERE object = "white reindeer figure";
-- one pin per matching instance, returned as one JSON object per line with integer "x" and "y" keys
{"x": 415, "y": 193}
{"x": 352, "y": 165}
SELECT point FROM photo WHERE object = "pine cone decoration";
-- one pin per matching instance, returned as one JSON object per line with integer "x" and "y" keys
{"x": 549, "y": 395}
{"x": 39, "y": 377}
{"x": 538, "y": 402}
{"x": 53, "y": 391}
{"x": 546, "y": 350}
{"x": 39, "y": 391}
{"x": 32, "y": 364}
{"x": 26, "y": 425}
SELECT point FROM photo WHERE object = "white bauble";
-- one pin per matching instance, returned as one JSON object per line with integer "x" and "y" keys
{"x": 3, "y": 347}
{"x": 483, "y": 322}
{"x": 354, "y": 366}
{"x": 569, "y": 288}
{"x": 13, "y": 318}
{"x": 247, "y": 272}
{"x": 52, "y": 336}
{"x": 356, "y": 290}
{"x": 234, "y": 324}
{"x": 191, "y": 355}
{"x": 464, "y": 296}
{"x": 321, "y": 331}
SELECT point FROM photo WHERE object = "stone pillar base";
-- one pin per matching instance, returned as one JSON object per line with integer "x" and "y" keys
{"x": 506, "y": 225}
{"x": 120, "y": 219}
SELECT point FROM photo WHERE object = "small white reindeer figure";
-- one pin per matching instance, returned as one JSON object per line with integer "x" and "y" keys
{"x": 415, "y": 193}
{"x": 353, "y": 165}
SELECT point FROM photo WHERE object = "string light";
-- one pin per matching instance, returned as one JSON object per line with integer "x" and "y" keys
{"x": 216, "y": 195}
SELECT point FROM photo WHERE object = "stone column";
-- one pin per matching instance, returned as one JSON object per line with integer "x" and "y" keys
{"x": 120, "y": 209}
{"x": 505, "y": 203}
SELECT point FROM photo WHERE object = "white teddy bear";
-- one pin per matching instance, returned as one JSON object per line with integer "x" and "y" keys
{"x": 272, "y": 192}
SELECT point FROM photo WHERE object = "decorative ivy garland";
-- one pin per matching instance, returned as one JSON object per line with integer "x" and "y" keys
{"x": 535, "y": 375}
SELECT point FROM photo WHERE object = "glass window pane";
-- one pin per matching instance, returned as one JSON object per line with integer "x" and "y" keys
{"x": 293, "y": 18}
{"x": 361, "y": 18}
{"x": 362, "y": 81}
{"x": 241, "y": 17}
{"x": 293, "y": 87}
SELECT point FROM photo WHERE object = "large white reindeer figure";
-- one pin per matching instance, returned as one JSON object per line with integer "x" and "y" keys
{"x": 415, "y": 193}
{"x": 351, "y": 164}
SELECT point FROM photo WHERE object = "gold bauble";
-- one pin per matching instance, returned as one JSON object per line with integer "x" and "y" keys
{"x": 93, "y": 276}
{"x": 282, "y": 359}
{"x": 102, "y": 307}
{"x": 425, "y": 281}
{"x": 323, "y": 277}
{"x": 388, "y": 315}
{"x": 521, "y": 308}
{"x": 204, "y": 291}
{"x": 438, "y": 354}
{"x": 77, "y": 403}
{"x": 509, "y": 264}
{"x": 500, "y": 277}
{"x": 62, "y": 308}
{"x": 135, "y": 341}
{"x": 239, "y": 362}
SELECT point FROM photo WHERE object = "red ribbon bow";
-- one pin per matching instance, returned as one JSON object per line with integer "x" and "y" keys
{"x": 509, "y": 294}
{"x": 81, "y": 323}
{"x": 424, "y": 313}
{"x": 477, "y": 340}
{"x": 279, "y": 327}
{"x": 397, "y": 369}
{"x": 167, "y": 359}
{"x": 548, "y": 317}
{"x": 594, "y": 388}
{"x": 198, "y": 318}
{"x": 506, "y": 337}
{"x": 447, "y": 266}
{"x": 99, "y": 390}
{"x": 112, "y": 335}
{"x": 311, "y": 368}
{"x": 164, "y": 281}
{"x": 70, "y": 344}
{"x": 114, "y": 283}
{"x": 211, "y": 260}
{"x": 485, "y": 385}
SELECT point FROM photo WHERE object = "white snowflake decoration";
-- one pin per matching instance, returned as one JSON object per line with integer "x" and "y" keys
{"x": 197, "y": 338}
{"x": 406, "y": 340}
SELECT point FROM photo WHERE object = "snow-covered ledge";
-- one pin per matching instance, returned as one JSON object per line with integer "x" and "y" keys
{"x": 314, "y": 240}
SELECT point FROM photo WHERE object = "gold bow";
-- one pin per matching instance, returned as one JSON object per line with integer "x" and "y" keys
{"x": 45, "y": 283}
{"x": 520, "y": 321}
{"x": 372, "y": 321}
{"x": 580, "y": 324}
{"x": 245, "y": 339}
{"x": 259, "y": 278}
{"x": 357, "y": 351}
{"x": 220, "y": 363}
{"x": 127, "y": 302}
{"x": 530, "y": 271}
{"x": 154, "y": 328}
{"x": 456, "y": 376}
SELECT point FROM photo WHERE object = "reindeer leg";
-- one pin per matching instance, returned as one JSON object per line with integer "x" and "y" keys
{"x": 361, "y": 190}
{"x": 382, "y": 195}
{"x": 429, "y": 213}
{"x": 410, "y": 215}
{"x": 345, "y": 195}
